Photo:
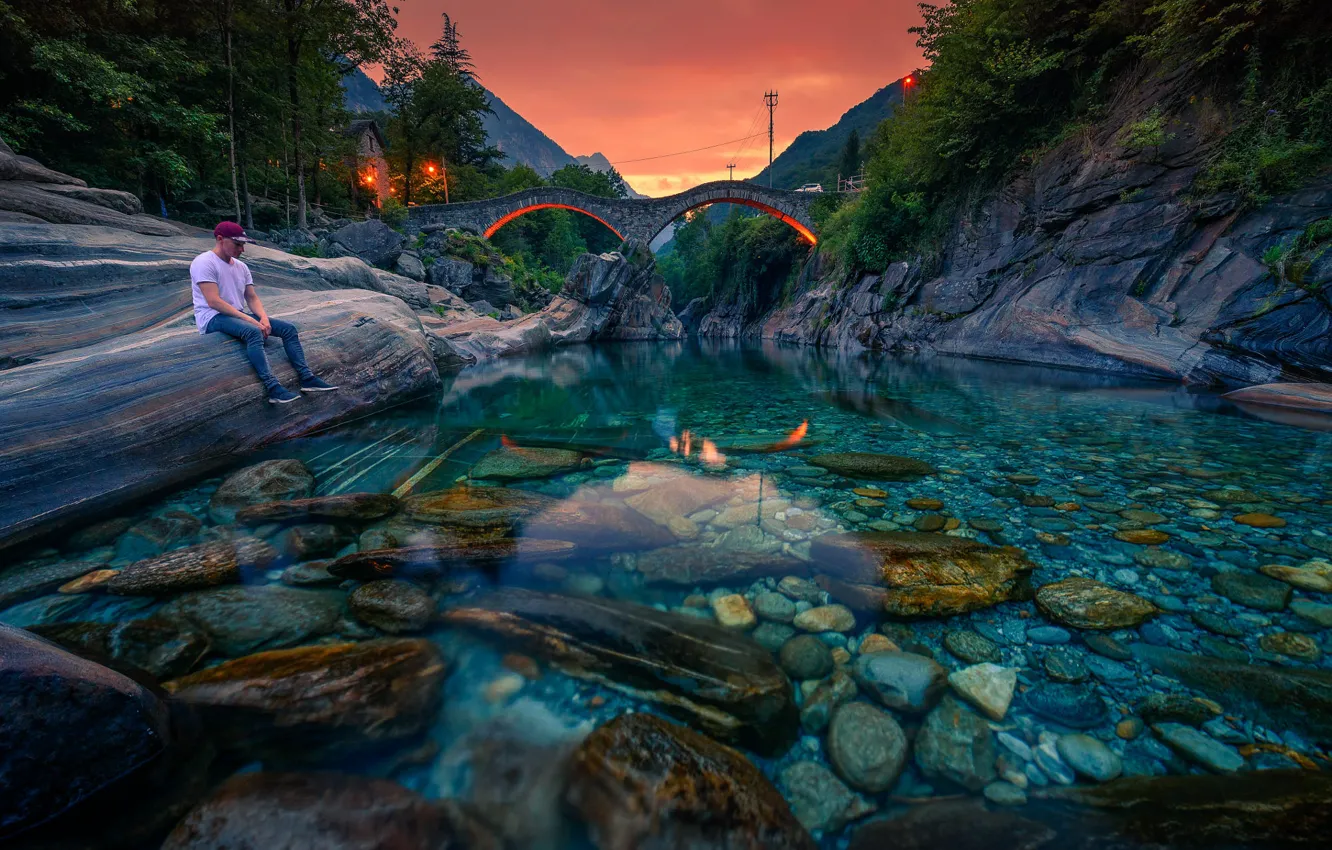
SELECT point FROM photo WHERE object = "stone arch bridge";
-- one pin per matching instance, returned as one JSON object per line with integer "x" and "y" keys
{"x": 628, "y": 218}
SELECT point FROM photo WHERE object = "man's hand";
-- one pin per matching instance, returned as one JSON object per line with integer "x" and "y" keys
{"x": 266, "y": 326}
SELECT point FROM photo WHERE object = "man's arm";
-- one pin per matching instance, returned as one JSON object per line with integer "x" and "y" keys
{"x": 257, "y": 307}
{"x": 214, "y": 299}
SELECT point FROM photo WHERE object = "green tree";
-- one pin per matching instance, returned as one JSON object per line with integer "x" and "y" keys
{"x": 848, "y": 162}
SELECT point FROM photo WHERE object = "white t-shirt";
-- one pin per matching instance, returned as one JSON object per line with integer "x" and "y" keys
{"x": 231, "y": 279}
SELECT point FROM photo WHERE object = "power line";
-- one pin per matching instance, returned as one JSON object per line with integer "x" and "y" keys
{"x": 753, "y": 122}
{"x": 680, "y": 153}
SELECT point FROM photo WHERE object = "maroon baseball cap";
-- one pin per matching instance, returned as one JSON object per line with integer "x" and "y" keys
{"x": 231, "y": 230}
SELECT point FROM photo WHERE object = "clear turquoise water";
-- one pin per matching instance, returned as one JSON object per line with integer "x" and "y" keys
{"x": 1095, "y": 445}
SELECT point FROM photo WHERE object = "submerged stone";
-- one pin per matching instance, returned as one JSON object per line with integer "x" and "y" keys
{"x": 866, "y": 746}
{"x": 597, "y": 527}
{"x": 437, "y": 560}
{"x": 820, "y": 800}
{"x": 269, "y": 481}
{"x": 499, "y": 508}
{"x": 712, "y": 677}
{"x": 205, "y": 565}
{"x": 344, "y": 507}
{"x": 874, "y": 467}
{"x": 956, "y": 744}
{"x": 161, "y": 647}
{"x": 23, "y": 581}
{"x": 1086, "y": 604}
{"x": 240, "y": 620}
{"x": 512, "y": 463}
{"x": 1077, "y": 707}
{"x": 641, "y": 781}
{"x": 392, "y": 605}
{"x": 902, "y": 681}
{"x": 695, "y": 565}
{"x": 919, "y": 575}
{"x": 1252, "y": 590}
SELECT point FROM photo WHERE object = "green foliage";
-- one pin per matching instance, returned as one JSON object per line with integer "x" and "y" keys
{"x": 747, "y": 260}
{"x": 1291, "y": 260}
{"x": 393, "y": 213}
{"x": 305, "y": 251}
{"x": 1150, "y": 132}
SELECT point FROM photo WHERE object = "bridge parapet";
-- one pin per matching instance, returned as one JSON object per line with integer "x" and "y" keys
{"x": 629, "y": 218}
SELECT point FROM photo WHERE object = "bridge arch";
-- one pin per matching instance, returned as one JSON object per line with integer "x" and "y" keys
{"x": 627, "y": 218}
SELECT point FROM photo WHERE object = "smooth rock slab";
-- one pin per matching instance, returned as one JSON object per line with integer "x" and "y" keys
{"x": 1200, "y": 748}
{"x": 1253, "y": 590}
{"x": 340, "y": 696}
{"x": 241, "y": 620}
{"x": 494, "y": 508}
{"x": 640, "y": 781}
{"x": 69, "y": 728}
{"x": 302, "y": 811}
{"x": 866, "y": 746}
{"x": 437, "y": 560}
{"x": 259, "y": 484}
{"x": 22, "y": 581}
{"x": 919, "y": 575}
{"x": 161, "y": 647}
{"x": 723, "y": 682}
{"x": 513, "y": 463}
{"x": 1089, "y": 757}
{"x": 1087, "y": 604}
{"x": 874, "y": 467}
{"x": 194, "y": 568}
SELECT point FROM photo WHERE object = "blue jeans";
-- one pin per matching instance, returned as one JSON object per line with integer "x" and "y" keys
{"x": 254, "y": 345}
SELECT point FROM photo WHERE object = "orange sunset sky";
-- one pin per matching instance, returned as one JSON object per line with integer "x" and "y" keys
{"x": 635, "y": 79}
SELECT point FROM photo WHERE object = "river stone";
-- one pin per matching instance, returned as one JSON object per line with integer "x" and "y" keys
{"x": 1317, "y": 613}
{"x": 818, "y": 798}
{"x": 640, "y": 781}
{"x": 431, "y": 561}
{"x": 1228, "y": 496}
{"x": 1142, "y": 536}
{"x": 826, "y": 618}
{"x": 1199, "y": 748}
{"x": 269, "y": 481}
{"x": 866, "y": 746}
{"x": 1065, "y": 665}
{"x": 514, "y": 463}
{"x": 1087, "y": 604}
{"x": 680, "y": 496}
{"x": 1318, "y": 542}
{"x": 733, "y": 612}
{"x": 98, "y": 534}
{"x": 1217, "y": 624}
{"x": 392, "y": 605}
{"x": 1107, "y": 647}
{"x": 911, "y": 574}
{"x": 988, "y": 687}
{"x": 774, "y": 606}
{"x": 1089, "y": 757}
{"x": 1069, "y": 705}
{"x": 311, "y": 574}
{"x": 205, "y": 565}
{"x": 311, "y": 540}
{"x": 1315, "y": 576}
{"x": 241, "y": 620}
{"x": 971, "y": 647}
{"x": 69, "y": 728}
{"x": 837, "y": 689}
{"x": 1176, "y": 708}
{"x": 163, "y": 648}
{"x": 1260, "y": 520}
{"x": 806, "y": 657}
{"x": 719, "y": 680}
{"x": 330, "y": 811}
{"x": 336, "y": 696}
{"x": 1252, "y": 590}
{"x": 771, "y": 636}
{"x": 22, "y": 581}
{"x": 342, "y": 508}
{"x": 1276, "y": 697}
{"x": 955, "y": 744}
{"x": 874, "y": 467}
{"x": 800, "y": 589}
{"x": 1291, "y": 644}
{"x": 372, "y": 240}
{"x": 496, "y": 509}
{"x": 156, "y": 535}
{"x": 690, "y": 566}
{"x": 902, "y": 681}
{"x": 1156, "y": 558}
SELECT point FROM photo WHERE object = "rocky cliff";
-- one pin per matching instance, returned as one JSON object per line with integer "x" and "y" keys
{"x": 1100, "y": 257}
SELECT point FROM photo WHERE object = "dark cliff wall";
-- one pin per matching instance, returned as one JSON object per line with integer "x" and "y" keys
{"x": 1098, "y": 256}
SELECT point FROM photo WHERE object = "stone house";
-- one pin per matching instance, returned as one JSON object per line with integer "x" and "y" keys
{"x": 368, "y": 170}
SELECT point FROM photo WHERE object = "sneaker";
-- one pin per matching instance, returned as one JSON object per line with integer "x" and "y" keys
{"x": 281, "y": 395}
{"x": 316, "y": 385}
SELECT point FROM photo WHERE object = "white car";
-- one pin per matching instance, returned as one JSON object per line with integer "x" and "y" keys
{"x": 811, "y": 187}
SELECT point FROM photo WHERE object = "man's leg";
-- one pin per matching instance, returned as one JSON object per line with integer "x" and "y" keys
{"x": 291, "y": 341}
{"x": 253, "y": 338}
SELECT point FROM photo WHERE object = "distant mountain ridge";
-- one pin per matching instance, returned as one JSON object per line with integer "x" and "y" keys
{"x": 360, "y": 94}
{"x": 812, "y": 157}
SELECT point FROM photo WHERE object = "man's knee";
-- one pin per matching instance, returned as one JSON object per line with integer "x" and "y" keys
{"x": 282, "y": 329}
{"x": 251, "y": 333}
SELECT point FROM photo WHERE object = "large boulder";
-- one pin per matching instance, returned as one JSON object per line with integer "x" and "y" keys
{"x": 238, "y": 620}
{"x": 68, "y": 445}
{"x": 910, "y": 574}
{"x": 331, "y": 811}
{"x": 346, "y": 696}
{"x": 162, "y": 647}
{"x": 69, "y": 729}
{"x": 722, "y": 682}
{"x": 640, "y": 781}
{"x": 372, "y": 240}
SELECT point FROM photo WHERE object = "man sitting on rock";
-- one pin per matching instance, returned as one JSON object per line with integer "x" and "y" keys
{"x": 222, "y": 285}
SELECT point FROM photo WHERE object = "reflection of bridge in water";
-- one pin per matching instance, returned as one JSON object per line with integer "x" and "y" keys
{"x": 638, "y": 218}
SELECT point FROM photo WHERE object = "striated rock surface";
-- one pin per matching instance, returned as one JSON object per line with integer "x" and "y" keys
{"x": 238, "y": 620}
{"x": 25, "y": 581}
{"x": 1087, "y": 604}
{"x": 267, "y": 481}
{"x": 720, "y": 681}
{"x": 347, "y": 507}
{"x": 1097, "y": 256}
{"x": 392, "y": 606}
{"x": 919, "y": 575}
{"x": 436, "y": 560}
{"x": 640, "y": 781}
{"x": 163, "y": 648}
{"x": 340, "y": 695}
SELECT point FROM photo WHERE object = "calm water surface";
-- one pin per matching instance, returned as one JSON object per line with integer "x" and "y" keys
{"x": 1064, "y": 466}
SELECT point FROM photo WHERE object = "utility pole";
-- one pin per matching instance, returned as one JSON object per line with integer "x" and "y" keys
{"x": 770, "y": 98}
{"x": 730, "y": 167}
